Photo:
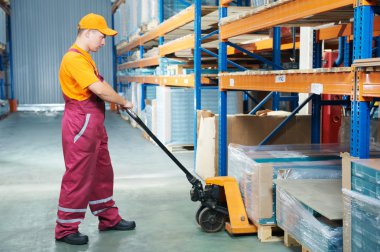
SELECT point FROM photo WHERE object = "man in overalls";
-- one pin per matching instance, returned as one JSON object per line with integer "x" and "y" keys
{"x": 88, "y": 179}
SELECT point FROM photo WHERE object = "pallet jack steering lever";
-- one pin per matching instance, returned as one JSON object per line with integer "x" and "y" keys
{"x": 196, "y": 192}
{"x": 213, "y": 211}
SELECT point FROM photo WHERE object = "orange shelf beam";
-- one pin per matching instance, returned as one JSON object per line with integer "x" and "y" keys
{"x": 278, "y": 15}
{"x": 151, "y": 35}
{"x": 177, "y": 45}
{"x": 132, "y": 64}
{"x": 184, "y": 17}
{"x": 291, "y": 81}
{"x": 369, "y": 85}
{"x": 146, "y": 62}
{"x": 183, "y": 81}
{"x": 152, "y": 61}
{"x": 342, "y": 30}
{"x": 175, "y": 81}
{"x": 225, "y": 3}
{"x": 135, "y": 43}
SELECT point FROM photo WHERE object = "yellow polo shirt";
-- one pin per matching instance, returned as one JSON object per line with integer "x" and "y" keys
{"x": 76, "y": 74}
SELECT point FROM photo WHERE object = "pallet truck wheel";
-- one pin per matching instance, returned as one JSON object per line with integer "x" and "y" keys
{"x": 199, "y": 212}
{"x": 211, "y": 221}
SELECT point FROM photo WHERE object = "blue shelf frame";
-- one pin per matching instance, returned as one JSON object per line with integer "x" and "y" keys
{"x": 276, "y": 97}
{"x": 360, "y": 110}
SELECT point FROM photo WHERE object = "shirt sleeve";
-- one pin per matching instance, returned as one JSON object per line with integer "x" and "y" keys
{"x": 82, "y": 71}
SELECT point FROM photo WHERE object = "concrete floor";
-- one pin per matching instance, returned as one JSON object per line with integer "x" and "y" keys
{"x": 149, "y": 188}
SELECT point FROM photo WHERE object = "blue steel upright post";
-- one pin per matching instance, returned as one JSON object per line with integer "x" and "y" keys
{"x": 276, "y": 61}
{"x": 316, "y": 100}
{"x": 360, "y": 112}
{"x": 161, "y": 18}
{"x": 197, "y": 64}
{"x": 143, "y": 86}
{"x": 10, "y": 56}
{"x": 222, "y": 65}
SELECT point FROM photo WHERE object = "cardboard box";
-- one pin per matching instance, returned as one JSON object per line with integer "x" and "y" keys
{"x": 244, "y": 130}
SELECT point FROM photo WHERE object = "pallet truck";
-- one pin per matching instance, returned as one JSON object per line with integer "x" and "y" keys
{"x": 221, "y": 202}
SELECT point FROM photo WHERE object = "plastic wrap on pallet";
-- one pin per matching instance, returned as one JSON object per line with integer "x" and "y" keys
{"x": 298, "y": 151}
{"x": 255, "y": 173}
{"x": 361, "y": 222}
{"x": 146, "y": 116}
{"x": 150, "y": 92}
{"x": 210, "y": 101}
{"x": 318, "y": 234}
{"x": 175, "y": 115}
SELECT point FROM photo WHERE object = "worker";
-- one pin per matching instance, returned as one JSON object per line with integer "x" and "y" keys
{"x": 88, "y": 179}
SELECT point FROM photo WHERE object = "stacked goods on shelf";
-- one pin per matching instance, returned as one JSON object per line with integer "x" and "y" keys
{"x": 172, "y": 7}
{"x": 133, "y": 94}
{"x": 120, "y": 21}
{"x": 256, "y": 167}
{"x": 257, "y": 3}
{"x": 313, "y": 230}
{"x": 245, "y": 130}
{"x": 152, "y": 52}
{"x": 361, "y": 182}
{"x": 210, "y": 101}
{"x": 175, "y": 112}
{"x": 166, "y": 64}
{"x": 148, "y": 116}
{"x": 133, "y": 18}
{"x": 150, "y": 92}
{"x": 174, "y": 115}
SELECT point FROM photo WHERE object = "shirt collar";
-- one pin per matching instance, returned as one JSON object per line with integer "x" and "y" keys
{"x": 86, "y": 54}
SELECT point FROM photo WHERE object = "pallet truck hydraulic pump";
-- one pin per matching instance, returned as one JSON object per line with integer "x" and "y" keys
{"x": 221, "y": 201}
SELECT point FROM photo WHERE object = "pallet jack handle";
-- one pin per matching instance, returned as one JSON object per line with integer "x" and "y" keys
{"x": 193, "y": 180}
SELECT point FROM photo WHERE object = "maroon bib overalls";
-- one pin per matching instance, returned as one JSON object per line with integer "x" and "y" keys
{"x": 88, "y": 179}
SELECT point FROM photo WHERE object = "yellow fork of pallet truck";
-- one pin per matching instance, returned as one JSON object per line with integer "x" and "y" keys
{"x": 239, "y": 223}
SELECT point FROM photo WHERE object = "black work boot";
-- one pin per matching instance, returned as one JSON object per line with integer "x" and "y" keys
{"x": 75, "y": 239}
{"x": 123, "y": 225}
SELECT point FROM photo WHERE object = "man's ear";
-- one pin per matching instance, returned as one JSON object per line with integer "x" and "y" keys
{"x": 87, "y": 33}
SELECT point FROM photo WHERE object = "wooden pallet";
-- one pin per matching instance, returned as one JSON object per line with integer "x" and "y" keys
{"x": 289, "y": 241}
{"x": 269, "y": 233}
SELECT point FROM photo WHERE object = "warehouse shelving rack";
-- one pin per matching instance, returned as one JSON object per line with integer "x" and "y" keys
{"x": 360, "y": 81}
{"x": 198, "y": 42}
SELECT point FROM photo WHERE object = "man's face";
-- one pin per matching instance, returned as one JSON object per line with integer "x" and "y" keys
{"x": 96, "y": 40}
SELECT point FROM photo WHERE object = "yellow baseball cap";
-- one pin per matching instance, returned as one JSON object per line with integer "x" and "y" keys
{"x": 96, "y": 22}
